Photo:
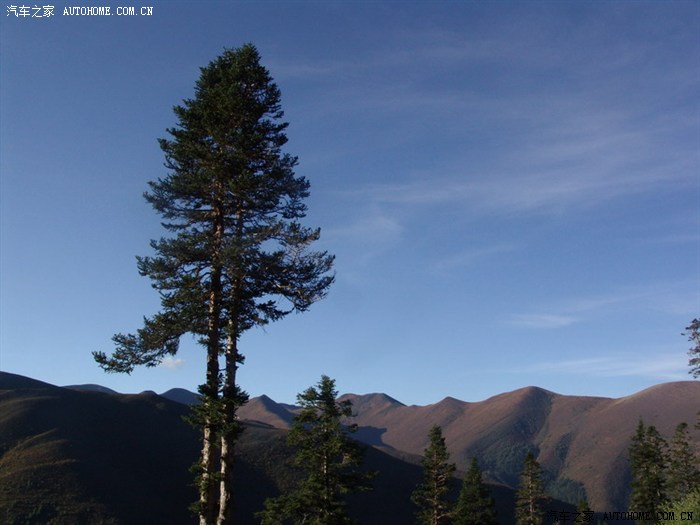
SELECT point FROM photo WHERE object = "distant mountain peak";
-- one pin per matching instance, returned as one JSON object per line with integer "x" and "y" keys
{"x": 181, "y": 395}
{"x": 92, "y": 388}
{"x": 376, "y": 399}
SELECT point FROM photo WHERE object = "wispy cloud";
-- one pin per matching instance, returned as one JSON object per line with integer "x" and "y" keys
{"x": 372, "y": 228}
{"x": 364, "y": 237}
{"x": 543, "y": 320}
{"x": 172, "y": 363}
{"x": 573, "y": 162}
{"x": 675, "y": 298}
{"x": 471, "y": 256}
{"x": 580, "y": 144}
{"x": 671, "y": 366}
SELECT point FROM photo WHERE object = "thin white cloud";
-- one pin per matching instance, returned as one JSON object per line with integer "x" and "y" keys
{"x": 670, "y": 366}
{"x": 172, "y": 363}
{"x": 574, "y": 147}
{"x": 469, "y": 257}
{"x": 375, "y": 227}
{"x": 570, "y": 167}
{"x": 364, "y": 236}
{"x": 542, "y": 320}
{"x": 674, "y": 298}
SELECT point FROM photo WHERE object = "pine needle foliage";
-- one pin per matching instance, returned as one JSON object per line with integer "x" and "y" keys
{"x": 647, "y": 455}
{"x": 683, "y": 476}
{"x": 431, "y": 496}
{"x": 475, "y": 505}
{"x": 329, "y": 458}
{"x": 693, "y": 333}
{"x": 530, "y": 494}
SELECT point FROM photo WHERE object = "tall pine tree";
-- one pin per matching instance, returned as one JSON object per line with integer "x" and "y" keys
{"x": 330, "y": 459}
{"x": 431, "y": 496}
{"x": 236, "y": 257}
{"x": 475, "y": 505}
{"x": 530, "y": 494}
{"x": 647, "y": 454}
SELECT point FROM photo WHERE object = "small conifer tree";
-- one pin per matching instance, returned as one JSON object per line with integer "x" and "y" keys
{"x": 528, "y": 502}
{"x": 475, "y": 505}
{"x": 683, "y": 475}
{"x": 329, "y": 458}
{"x": 647, "y": 454}
{"x": 431, "y": 496}
{"x": 693, "y": 333}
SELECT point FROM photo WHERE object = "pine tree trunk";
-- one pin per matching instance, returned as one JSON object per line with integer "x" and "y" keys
{"x": 229, "y": 435}
{"x": 208, "y": 504}
{"x": 230, "y": 400}
{"x": 207, "y": 488}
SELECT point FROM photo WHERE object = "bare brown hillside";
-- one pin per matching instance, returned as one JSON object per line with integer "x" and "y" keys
{"x": 580, "y": 441}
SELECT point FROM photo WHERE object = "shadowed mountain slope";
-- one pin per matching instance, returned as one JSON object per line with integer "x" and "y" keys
{"x": 580, "y": 441}
{"x": 73, "y": 457}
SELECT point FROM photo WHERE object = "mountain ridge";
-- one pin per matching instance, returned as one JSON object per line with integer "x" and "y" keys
{"x": 580, "y": 441}
{"x": 72, "y": 456}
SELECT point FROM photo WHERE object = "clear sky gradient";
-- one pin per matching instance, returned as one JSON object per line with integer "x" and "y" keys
{"x": 512, "y": 190}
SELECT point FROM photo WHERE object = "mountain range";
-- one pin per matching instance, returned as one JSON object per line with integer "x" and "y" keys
{"x": 580, "y": 442}
{"x": 86, "y": 454}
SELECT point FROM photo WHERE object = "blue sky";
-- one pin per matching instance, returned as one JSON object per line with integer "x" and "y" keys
{"x": 512, "y": 190}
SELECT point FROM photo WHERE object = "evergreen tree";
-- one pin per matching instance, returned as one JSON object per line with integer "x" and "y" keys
{"x": 329, "y": 458}
{"x": 432, "y": 495}
{"x": 683, "y": 475}
{"x": 693, "y": 333}
{"x": 686, "y": 510}
{"x": 648, "y": 463}
{"x": 475, "y": 505}
{"x": 237, "y": 255}
{"x": 530, "y": 494}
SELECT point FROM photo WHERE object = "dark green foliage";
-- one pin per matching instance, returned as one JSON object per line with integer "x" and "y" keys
{"x": 683, "y": 475}
{"x": 693, "y": 333}
{"x": 690, "y": 504}
{"x": 647, "y": 454}
{"x": 506, "y": 458}
{"x": 431, "y": 496}
{"x": 329, "y": 458}
{"x": 237, "y": 255}
{"x": 565, "y": 489}
{"x": 232, "y": 201}
{"x": 530, "y": 495}
{"x": 475, "y": 505}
